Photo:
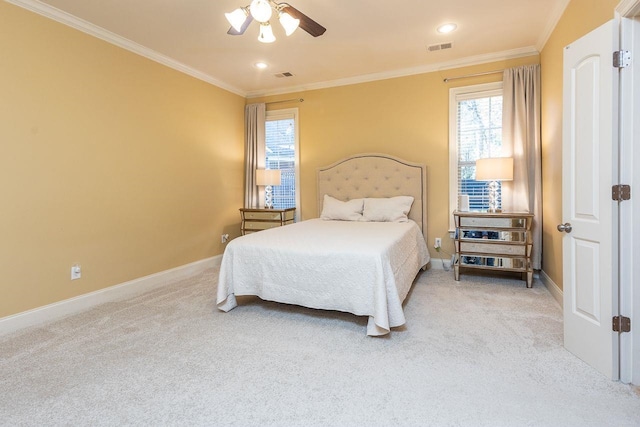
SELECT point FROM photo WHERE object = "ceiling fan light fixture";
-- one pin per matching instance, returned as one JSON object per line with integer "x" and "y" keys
{"x": 260, "y": 10}
{"x": 289, "y": 23}
{"x": 266, "y": 33}
{"x": 237, "y": 18}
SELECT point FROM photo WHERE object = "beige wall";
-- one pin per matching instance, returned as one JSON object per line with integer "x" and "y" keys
{"x": 580, "y": 17}
{"x": 107, "y": 159}
{"x": 130, "y": 168}
{"x": 406, "y": 117}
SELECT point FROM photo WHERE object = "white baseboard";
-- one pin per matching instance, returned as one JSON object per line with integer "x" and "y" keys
{"x": 74, "y": 305}
{"x": 554, "y": 289}
{"x": 437, "y": 264}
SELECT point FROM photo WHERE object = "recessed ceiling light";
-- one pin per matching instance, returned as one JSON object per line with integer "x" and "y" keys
{"x": 260, "y": 65}
{"x": 447, "y": 28}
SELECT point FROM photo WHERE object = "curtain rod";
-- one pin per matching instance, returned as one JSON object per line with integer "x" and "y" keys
{"x": 286, "y": 100}
{"x": 472, "y": 75}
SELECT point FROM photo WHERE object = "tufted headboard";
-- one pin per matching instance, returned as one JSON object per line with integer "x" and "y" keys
{"x": 376, "y": 175}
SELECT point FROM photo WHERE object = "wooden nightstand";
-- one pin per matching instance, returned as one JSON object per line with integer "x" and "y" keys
{"x": 261, "y": 219}
{"x": 494, "y": 241}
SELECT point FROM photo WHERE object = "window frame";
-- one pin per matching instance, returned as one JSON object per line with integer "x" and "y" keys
{"x": 456, "y": 95}
{"x": 282, "y": 114}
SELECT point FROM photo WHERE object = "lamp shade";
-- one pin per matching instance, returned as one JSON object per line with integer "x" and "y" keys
{"x": 266, "y": 33}
{"x": 494, "y": 169}
{"x": 268, "y": 177}
{"x": 237, "y": 18}
{"x": 289, "y": 23}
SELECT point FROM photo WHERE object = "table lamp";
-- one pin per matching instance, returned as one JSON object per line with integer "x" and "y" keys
{"x": 494, "y": 169}
{"x": 268, "y": 178}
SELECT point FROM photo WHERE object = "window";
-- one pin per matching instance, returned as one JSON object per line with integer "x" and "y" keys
{"x": 282, "y": 152}
{"x": 475, "y": 121}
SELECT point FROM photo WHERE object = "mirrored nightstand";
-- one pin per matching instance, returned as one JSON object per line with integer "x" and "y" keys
{"x": 261, "y": 219}
{"x": 494, "y": 241}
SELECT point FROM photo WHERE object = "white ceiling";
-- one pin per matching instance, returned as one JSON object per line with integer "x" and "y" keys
{"x": 365, "y": 39}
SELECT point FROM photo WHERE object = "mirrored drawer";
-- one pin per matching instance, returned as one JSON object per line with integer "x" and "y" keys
{"x": 493, "y": 262}
{"x": 493, "y": 248}
{"x": 492, "y": 222}
{"x": 266, "y": 215}
{"x": 505, "y": 236}
{"x": 260, "y": 225}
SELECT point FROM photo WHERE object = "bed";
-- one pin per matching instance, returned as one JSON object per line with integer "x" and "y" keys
{"x": 361, "y": 265}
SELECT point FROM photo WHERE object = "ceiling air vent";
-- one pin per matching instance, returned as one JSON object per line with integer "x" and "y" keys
{"x": 441, "y": 46}
{"x": 285, "y": 74}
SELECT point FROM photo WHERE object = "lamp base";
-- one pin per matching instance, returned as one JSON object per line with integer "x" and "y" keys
{"x": 494, "y": 197}
{"x": 268, "y": 197}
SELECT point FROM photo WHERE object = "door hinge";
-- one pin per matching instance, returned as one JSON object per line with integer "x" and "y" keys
{"x": 621, "y": 324}
{"x": 621, "y": 58}
{"x": 621, "y": 192}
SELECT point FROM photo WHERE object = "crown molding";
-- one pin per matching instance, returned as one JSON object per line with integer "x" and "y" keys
{"x": 99, "y": 32}
{"x": 459, "y": 63}
{"x": 555, "y": 15}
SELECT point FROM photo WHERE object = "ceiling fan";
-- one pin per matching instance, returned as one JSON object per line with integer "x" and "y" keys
{"x": 262, "y": 10}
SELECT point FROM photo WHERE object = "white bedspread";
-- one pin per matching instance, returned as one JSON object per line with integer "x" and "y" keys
{"x": 364, "y": 268}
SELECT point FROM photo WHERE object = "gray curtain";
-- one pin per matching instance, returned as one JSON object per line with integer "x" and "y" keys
{"x": 254, "y": 158}
{"x": 521, "y": 126}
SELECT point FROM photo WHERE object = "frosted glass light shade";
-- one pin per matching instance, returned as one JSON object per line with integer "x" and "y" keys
{"x": 266, "y": 33}
{"x": 260, "y": 10}
{"x": 494, "y": 169}
{"x": 289, "y": 23}
{"x": 237, "y": 18}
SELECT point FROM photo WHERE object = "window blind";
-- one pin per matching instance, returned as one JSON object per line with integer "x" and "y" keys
{"x": 479, "y": 135}
{"x": 280, "y": 154}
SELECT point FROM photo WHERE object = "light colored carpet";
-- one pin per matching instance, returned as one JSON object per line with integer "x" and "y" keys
{"x": 479, "y": 352}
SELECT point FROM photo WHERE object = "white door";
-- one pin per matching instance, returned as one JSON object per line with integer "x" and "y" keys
{"x": 590, "y": 278}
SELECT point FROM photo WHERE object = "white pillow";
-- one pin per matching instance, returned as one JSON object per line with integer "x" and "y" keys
{"x": 343, "y": 211}
{"x": 391, "y": 209}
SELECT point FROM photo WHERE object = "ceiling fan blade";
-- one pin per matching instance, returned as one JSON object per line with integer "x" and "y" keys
{"x": 306, "y": 23}
{"x": 232, "y": 31}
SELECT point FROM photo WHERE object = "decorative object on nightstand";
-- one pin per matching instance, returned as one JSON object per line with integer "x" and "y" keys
{"x": 463, "y": 203}
{"x": 268, "y": 178}
{"x": 494, "y": 169}
{"x": 494, "y": 241}
{"x": 262, "y": 219}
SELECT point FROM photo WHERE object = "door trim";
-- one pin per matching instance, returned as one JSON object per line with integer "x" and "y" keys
{"x": 628, "y": 12}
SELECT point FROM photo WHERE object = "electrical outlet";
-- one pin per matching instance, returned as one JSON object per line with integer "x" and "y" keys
{"x": 76, "y": 272}
{"x": 438, "y": 243}
{"x": 224, "y": 238}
